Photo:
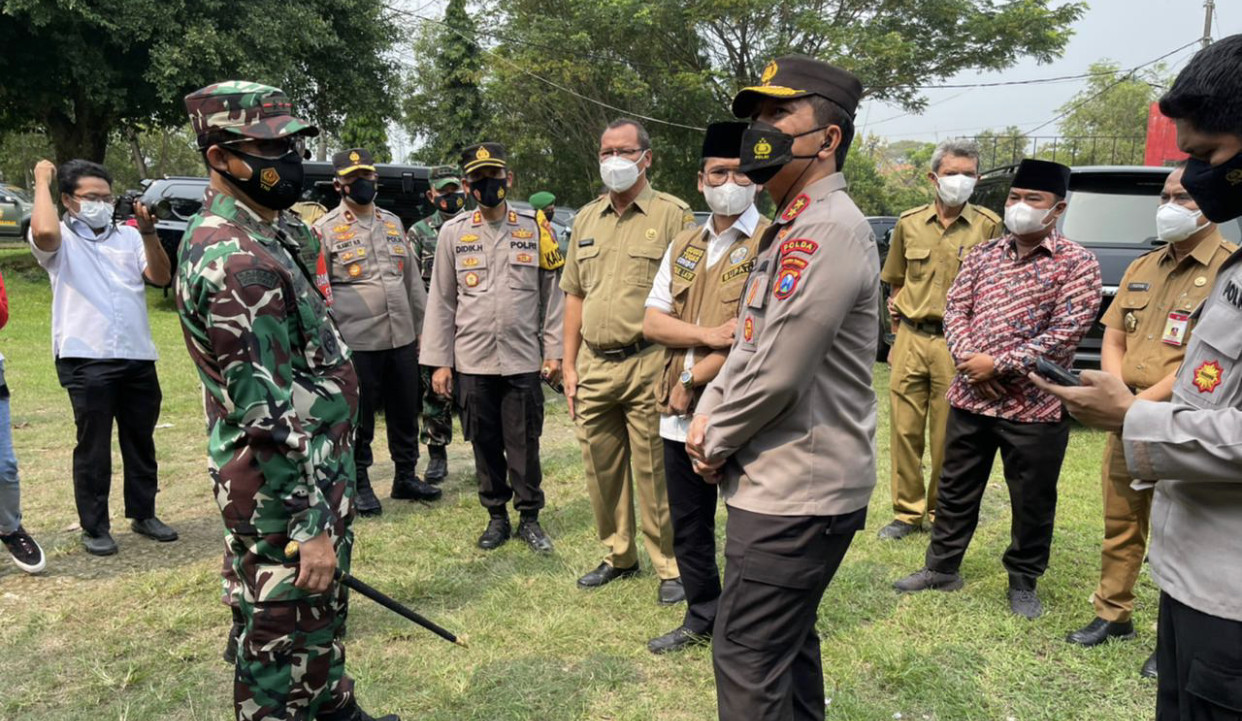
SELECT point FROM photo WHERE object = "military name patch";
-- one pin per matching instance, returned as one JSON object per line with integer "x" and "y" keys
{"x": 586, "y": 242}
{"x": 799, "y": 245}
{"x": 258, "y": 277}
{"x": 1138, "y": 286}
{"x": 795, "y": 208}
{"x": 786, "y": 283}
{"x": 680, "y": 272}
{"x": 739, "y": 270}
{"x": 1208, "y": 376}
{"x": 469, "y": 248}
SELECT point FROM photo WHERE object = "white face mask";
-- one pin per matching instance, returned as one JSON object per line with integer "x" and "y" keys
{"x": 1175, "y": 223}
{"x": 729, "y": 198}
{"x": 955, "y": 190}
{"x": 1022, "y": 219}
{"x": 619, "y": 174}
{"x": 95, "y": 213}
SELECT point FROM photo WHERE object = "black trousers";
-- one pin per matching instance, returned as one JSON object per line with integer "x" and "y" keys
{"x": 388, "y": 379}
{"x": 1199, "y": 658}
{"x": 692, "y": 503}
{"x": 103, "y": 391}
{"x": 502, "y": 417}
{"x": 1032, "y": 454}
{"x": 765, "y": 648}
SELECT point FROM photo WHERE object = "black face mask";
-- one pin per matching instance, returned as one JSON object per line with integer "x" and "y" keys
{"x": 450, "y": 203}
{"x": 361, "y": 191}
{"x": 489, "y": 192}
{"x": 766, "y": 149}
{"x": 275, "y": 184}
{"x": 1217, "y": 189}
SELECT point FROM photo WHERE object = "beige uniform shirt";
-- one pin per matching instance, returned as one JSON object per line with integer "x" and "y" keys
{"x": 613, "y": 261}
{"x": 924, "y": 256}
{"x": 793, "y": 406}
{"x": 491, "y": 304}
{"x": 1153, "y": 307}
{"x": 378, "y": 298}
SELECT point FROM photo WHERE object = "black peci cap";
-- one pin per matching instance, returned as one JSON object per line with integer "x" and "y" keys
{"x": 1042, "y": 175}
{"x": 797, "y": 76}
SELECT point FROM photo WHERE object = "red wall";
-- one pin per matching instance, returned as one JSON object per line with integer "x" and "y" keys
{"x": 1161, "y": 139}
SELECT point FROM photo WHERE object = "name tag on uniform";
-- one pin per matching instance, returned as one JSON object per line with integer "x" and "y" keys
{"x": 1175, "y": 328}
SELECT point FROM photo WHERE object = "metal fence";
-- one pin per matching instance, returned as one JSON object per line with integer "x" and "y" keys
{"x": 1001, "y": 150}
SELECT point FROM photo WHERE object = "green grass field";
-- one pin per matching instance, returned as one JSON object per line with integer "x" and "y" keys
{"x": 138, "y": 635}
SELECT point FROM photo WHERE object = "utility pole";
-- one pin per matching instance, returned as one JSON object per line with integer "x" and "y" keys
{"x": 1209, "y": 7}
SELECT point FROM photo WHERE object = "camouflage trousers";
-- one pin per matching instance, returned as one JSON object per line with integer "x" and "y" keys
{"x": 437, "y": 413}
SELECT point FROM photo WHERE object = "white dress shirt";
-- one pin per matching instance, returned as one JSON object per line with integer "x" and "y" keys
{"x": 99, "y": 302}
{"x": 675, "y": 428}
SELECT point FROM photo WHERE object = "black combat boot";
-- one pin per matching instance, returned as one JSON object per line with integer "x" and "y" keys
{"x": 353, "y": 713}
{"x": 497, "y": 532}
{"x": 365, "y": 501}
{"x": 409, "y": 488}
{"x": 437, "y": 465}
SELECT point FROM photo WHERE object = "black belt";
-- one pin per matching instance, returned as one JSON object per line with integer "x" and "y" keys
{"x": 620, "y": 354}
{"x": 928, "y": 327}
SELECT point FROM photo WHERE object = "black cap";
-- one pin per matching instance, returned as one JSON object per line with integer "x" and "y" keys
{"x": 1042, "y": 175}
{"x": 723, "y": 140}
{"x": 797, "y": 76}
{"x": 483, "y": 155}
{"x": 348, "y": 161}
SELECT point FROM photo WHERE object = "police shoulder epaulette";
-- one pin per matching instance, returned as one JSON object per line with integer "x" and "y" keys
{"x": 912, "y": 211}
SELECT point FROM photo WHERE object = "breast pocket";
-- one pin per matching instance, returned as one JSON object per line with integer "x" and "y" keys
{"x": 399, "y": 252}
{"x": 918, "y": 262}
{"x": 523, "y": 270}
{"x": 472, "y": 273}
{"x": 643, "y": 262}
{"x": 351, "y": 263}
{"x": 588, "y": 260}
{"x": 1210, "y": 376}
{"x": 1133, "y": 306}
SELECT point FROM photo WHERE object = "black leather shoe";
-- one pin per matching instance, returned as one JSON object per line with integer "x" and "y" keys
{"x": 926, "y": 579}
{"x": 897, "y": 530}
{"x": 437, "y": 465}
{"x": 101, "y": 545}
{"x": 366, "y": 503}
{"x": 1025, "y": 603}
{"x": 1149, "y": 667}
{"x": 677, "y": 639}
{"x": 533, "y": 534}
{"x": 154, "y": 528}
{"x": 1099, "y": 631}
{"x": 672, "y": 592}
{"x": 409, "y": 488}
{"x": 498, "y": 531}
{"x": 605, "y": 574}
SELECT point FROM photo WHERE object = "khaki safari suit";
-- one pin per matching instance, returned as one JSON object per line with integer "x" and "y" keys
{"x": 1154, "y": 303}
{"x": 923, "y": 260}
{"x": 611, "y": 264}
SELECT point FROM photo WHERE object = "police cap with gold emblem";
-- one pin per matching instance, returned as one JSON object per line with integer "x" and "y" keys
{"x": 353, "y": 160}
{"x": 483, "y": 155}
{"x": 797, "y": 76}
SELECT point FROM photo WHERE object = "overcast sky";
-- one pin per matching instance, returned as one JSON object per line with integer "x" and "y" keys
{"x": 1130, "y": 32}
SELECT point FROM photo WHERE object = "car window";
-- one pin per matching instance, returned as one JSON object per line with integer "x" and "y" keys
{"x": 1110, "y": 218}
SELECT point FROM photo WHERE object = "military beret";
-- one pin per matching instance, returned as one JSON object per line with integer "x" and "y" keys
{"x": 541, "y": 200}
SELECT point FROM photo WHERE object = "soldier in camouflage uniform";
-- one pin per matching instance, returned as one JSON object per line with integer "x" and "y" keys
{"x": 281, "y": 398}
{"x": 448, "y": 199}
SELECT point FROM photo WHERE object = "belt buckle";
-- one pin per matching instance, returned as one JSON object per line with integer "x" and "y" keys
{"x": 614, "y": 353}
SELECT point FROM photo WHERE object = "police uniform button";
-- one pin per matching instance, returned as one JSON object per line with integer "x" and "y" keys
{"x": 1200, "y": 281}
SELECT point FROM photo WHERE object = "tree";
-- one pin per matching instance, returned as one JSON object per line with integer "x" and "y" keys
{"x": 1001, "y": 147}
{"x": 362, "y": 130}
{"x": 559, "y": 62}
{"x": 81, "y": 70}
{"x": 445, "y": 110}
{"x": 1106, "y": 122}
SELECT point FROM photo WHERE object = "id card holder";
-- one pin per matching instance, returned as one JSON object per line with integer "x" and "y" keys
{"x": 1175, "y": 328}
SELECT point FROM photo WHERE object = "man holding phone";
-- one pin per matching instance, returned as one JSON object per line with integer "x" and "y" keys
{"x": 1029, "y": 295}
{"x": 494, "y": 316}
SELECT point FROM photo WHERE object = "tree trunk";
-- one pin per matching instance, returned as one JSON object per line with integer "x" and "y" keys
{"x": 88, "y": 141}
{"x": 135, "y": 149}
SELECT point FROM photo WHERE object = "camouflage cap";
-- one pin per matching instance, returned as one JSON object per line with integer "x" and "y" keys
{"x": 443, "y": 176}
{"x": 244, "y": 109}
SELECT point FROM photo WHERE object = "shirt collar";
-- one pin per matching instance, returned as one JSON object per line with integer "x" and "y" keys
{"x": 819, "y": 189}
{"x": 84, "y": 231}
{"x": 1051, "y": 243}
{"x": 231, "y": 208}
{"x": 744, "y": 225}
{"x": 968, "y": 214}
{"x": 1203, "y": 253}
{"x": 640, "y": 202}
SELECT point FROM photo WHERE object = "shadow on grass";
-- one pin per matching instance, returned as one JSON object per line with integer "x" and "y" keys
{"x": 544, "y": 688}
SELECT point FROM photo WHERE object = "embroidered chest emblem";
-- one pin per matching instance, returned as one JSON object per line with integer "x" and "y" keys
{"x": 1208, "y": 376}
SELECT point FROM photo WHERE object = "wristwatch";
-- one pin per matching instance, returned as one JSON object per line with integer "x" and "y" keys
{"x": 687, "y": 380}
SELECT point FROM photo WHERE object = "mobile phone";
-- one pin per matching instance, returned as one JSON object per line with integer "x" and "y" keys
{"x": 557, "y": 387}
{"x": 1054, "y": 373}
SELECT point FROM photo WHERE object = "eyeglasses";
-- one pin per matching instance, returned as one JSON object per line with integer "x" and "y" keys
{"x": 717, "y": 177}
{"x": 96, "y": 198}
{"x": 272, "y": 148}
{"x": 623, "y": 152}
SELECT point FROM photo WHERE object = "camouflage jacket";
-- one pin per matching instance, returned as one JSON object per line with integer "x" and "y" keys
{"x": 423, "y": 235}
{"x": 280, "y": 392}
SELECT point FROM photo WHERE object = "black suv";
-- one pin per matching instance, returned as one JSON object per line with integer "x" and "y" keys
{"x": 1112, "y": 213}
